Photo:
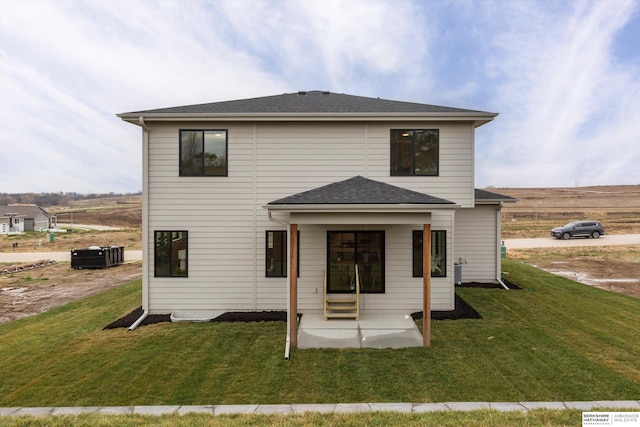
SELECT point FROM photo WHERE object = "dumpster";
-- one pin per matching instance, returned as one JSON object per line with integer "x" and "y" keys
{"x": 97, "y": 257}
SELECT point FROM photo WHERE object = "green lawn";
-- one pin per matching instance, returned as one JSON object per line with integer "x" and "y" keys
{"x": 553, "y": 340}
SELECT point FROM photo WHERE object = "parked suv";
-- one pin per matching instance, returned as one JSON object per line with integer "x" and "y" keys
{"x": 578, "y": 229}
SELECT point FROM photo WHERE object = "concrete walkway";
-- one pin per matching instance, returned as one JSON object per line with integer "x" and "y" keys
{"x": 335, "y": 408}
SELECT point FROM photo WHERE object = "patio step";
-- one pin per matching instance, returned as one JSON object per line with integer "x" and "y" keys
{"x": 343, "y": 306}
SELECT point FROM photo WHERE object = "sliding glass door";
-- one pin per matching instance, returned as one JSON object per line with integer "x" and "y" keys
{"x": 345, "y": 249}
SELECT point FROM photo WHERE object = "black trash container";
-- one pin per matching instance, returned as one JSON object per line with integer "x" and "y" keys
{"x": 97, "y": 257}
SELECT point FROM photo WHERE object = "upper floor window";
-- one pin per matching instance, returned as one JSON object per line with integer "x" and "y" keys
{"x": 415, "y": 152}
{"x": 203, "y": 153}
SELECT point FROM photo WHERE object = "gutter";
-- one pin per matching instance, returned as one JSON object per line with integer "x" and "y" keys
{"x": 145, "y": 204}
{"x": 287, "y": 344}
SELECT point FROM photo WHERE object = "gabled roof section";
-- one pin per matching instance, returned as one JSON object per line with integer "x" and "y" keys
{"x": 27, "y": 211}
{"x": 360, "y": 191}
{"x": 303, "y": 105}
{"x": 488, "y": 196}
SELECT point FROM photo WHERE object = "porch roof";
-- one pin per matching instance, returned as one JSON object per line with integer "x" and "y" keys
{"x": 359, "y": 192}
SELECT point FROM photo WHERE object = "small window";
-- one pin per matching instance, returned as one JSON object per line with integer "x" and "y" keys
{"x": 415, "y": 152}
{"x": 276, "y": 254}
{"x": 171, "y": 253}
{"x": 203, "y": 153}
{"x": 438, "y": 253}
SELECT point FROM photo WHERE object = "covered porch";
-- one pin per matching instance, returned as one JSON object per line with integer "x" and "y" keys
{"x": 364, "y": 205}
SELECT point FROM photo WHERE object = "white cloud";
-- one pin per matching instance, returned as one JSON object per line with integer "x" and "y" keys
{"x": 67, "y": 67}
{"x": 560, "y": 82}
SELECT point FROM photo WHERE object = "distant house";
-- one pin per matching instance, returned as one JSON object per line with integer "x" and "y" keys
{"x": 274, "y": 203}
{"x": 18, "y": 218}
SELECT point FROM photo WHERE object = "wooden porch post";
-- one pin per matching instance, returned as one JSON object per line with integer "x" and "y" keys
{"x": 426, "y": 286}
{"x": 293, "y": 287}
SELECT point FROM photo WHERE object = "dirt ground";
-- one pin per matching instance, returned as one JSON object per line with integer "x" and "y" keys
{"x": 34, "y": 291}
{"x": 613, "y": 268}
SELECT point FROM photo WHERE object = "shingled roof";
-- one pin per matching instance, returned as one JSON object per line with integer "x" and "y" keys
{"x": 360, "y": 191}
{"x": 489, "y": 196}
{"x": 307, "y": 102}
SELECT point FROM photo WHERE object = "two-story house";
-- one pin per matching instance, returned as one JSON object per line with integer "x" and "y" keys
{"x": 270, "y": 203}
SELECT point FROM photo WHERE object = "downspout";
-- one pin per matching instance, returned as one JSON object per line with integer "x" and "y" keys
{"x": 287, "y": 344}
{"x": 145, "y": 207}
{"x": 498, "y": 235}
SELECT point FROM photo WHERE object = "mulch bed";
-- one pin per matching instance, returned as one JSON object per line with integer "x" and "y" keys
{"x": 462, "y": 311}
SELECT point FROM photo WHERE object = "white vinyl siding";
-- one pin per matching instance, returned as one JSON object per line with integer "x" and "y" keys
{"x": 476, "y": 243}
{"x": 226, "y": 221}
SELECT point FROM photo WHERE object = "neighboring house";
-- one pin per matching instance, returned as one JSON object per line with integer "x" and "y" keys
{"x": 247, "y": 203}
{"x": 35, "y": 218}
{"x": 11, "y": 223}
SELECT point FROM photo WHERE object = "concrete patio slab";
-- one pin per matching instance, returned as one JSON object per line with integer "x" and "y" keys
{"x": 391, "y": 338}
{"x": 371, "y": 331}
{"x": 398, "y": 321}
{"x": 316, "y": 321}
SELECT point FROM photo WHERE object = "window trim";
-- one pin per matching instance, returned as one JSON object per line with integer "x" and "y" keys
{"x": 413, "y": 254}
{"x": 393, "y": 160}
{"x": 226, "y": 152}
{"x": 155, "y": 254}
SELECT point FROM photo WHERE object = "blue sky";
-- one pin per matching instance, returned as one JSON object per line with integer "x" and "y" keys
{"x": 564, "y": 76}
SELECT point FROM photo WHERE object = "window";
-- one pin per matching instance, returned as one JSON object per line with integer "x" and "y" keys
{"x": 345, "y": 250}
{"x": 203, "y": 153}
{"x": 438, "y": 253}
{"x": 171, "y": 253}
{"x": 415, "y": 152}
{"x": 276, "y": 254}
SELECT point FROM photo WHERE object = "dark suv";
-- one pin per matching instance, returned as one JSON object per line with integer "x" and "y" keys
{"x": 579, "y": 229}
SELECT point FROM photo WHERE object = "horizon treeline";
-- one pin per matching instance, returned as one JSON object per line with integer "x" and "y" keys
{"x": 53, "y": 199}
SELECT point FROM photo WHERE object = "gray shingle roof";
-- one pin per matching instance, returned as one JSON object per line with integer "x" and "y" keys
{"x": 488, "y": 195}
{"x": 308, "y": 102}
{"x": 359, "y": 190}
